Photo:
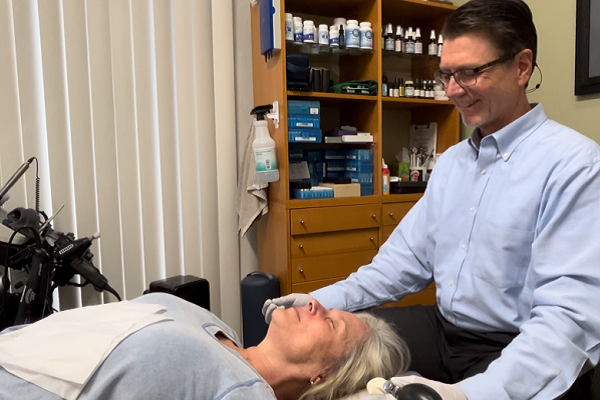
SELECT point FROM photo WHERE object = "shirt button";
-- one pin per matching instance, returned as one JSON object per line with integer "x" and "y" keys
{"x": 464, "y": 246}
{"x": 472, "y": 209}
{"x": 450, "y": 283}
{"x": 483, "y": 172}
{"x": 505, "y": 155}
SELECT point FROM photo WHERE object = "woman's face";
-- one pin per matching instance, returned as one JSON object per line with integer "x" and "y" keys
{"x": 313, "y": 334}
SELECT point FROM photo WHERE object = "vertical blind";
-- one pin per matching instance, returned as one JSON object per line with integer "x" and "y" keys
{"x": 119, "y": 102}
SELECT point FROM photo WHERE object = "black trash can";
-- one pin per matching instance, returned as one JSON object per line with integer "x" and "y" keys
{"x": 257, "y": 287}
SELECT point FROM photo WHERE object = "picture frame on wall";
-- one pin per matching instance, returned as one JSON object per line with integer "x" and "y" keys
{"x": 587, "y": 47}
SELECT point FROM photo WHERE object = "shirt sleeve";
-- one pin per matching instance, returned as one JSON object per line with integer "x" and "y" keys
{"x": 562, "y": 335}
{"x": 399, "y": 268}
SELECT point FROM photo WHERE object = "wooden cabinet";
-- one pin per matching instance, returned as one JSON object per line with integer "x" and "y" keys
{"x": 309, "y": 244}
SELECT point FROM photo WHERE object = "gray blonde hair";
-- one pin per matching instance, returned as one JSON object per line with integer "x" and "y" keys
{"x": 381, "y": 353}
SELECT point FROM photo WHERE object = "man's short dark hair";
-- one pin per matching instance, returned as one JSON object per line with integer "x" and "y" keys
{"x": 507, "y": 24}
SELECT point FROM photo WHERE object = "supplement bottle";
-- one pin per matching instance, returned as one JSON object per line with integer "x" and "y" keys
{"x": 352, "y": 34}
{"x": 289, "y": 27}
{"x": 308, "y": 32}
{"x": 366, "y": 36}
{"x": 409, "y": 89}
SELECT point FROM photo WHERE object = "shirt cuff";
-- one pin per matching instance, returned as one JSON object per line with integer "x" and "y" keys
{"x": 480, "y": 388}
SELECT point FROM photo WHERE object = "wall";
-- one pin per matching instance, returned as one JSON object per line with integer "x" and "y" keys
{"x": 244, "y": 104}
{"x": 555, "y": 21}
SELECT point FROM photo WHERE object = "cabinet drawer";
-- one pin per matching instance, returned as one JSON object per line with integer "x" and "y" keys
{"x": 334, "y": 243}
{"x": 329, "y": 266}
{"x": 393, "y": 213}
{"x": 331, "y": 219}
{"x": 386, "y": 232}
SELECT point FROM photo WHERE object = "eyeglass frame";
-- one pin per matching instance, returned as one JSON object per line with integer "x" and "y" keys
{"x": 476, "y": 72}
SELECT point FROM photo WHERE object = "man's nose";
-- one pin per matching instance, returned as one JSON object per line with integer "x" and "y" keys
{"x": 453, "y": 88}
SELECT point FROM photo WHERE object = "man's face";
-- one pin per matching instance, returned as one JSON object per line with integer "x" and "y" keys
{"x": 491, "y": 103}
{"x": 313, "y": 334}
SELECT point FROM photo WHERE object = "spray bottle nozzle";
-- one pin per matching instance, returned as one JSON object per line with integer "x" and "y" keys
{"x": 261, "y": 111}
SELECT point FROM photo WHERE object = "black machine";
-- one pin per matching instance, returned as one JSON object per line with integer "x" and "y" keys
{"x": 48, "y": 259}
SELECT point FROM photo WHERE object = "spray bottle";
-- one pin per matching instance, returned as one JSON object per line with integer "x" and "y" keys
{"x": 265, "y": 156}
{"x": 386, "y": 178}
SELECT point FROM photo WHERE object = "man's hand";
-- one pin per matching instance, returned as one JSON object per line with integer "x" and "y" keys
{"x": 447, "y": 392}
{"x": 291, "y": 300}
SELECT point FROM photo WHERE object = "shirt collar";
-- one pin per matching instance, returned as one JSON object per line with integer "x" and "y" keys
{"x": 508, "y": 138}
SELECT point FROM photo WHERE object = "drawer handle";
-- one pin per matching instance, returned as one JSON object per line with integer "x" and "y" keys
{"x": 302, "y": 222}
{"x": 301, "y": 271}
{"x": 301, "y": 246}
{"x": 374, "y": 216}
{"x": 372, "y": 239}
{"x": 391, "y": 215}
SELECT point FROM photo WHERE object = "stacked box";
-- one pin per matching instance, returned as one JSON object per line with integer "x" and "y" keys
{"x": 304, "y": 121}
{"x": 359, "y": 168}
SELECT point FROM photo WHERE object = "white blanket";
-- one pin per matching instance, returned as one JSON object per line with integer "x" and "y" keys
{"x": 85, "y": 335}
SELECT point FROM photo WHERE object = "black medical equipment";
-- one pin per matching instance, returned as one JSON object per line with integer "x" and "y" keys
{"x": 412, "y": 391}
{"x": 188, "y": 287}
{"x": 48, "y": 257}
{"x": 257, "y": 287}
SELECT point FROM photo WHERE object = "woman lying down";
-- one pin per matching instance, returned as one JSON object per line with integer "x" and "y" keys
{"x": 159, "y": 346}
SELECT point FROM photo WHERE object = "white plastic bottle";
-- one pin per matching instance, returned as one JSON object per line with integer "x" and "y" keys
{"x": 265, "y": 156}
{"x": 366, "y": 36}
{"x": 352, "y": 34}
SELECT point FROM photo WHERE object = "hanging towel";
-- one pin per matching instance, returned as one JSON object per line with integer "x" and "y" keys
{"x": 252, "y": 194}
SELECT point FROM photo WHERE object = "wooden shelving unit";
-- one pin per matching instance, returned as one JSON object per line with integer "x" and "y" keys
{"x": 308, "y": 244}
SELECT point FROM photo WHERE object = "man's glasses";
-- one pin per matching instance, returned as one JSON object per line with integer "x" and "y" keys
{"x": 467, "y": 77}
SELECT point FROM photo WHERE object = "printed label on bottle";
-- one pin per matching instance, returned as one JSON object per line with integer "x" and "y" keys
{"x": 353, "y": 38}
{"x": 265, "y": 160}
{"x": 366, "y": 39}
{"x": 389, "y": 44}
{"x": 289, "y": 30}
{"x": 410, "y": 48}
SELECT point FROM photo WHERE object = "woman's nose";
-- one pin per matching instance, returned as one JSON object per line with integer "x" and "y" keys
{"x": 314, "y": 307}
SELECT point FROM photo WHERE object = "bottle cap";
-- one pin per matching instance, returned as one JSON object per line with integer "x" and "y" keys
{"x": 288, "y": 16}
{"x": 399, "y": 30}
{"x": 418, "y": 32}
{"x": 440, "y": 39}
{"x": 365, "y": 24}
{"x": 389, "y": 28}
{"x": 409, "y": 82}
{"x": 323, "y": 27}
{"x": 432, "y": 36}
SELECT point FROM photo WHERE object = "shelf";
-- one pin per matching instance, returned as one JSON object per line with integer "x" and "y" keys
{"x": 330, "y": 97}
{"x": 346, "y": 201}
{"x": 420, "y": 11}
{"x": 406, "y": 103}
{"x": 315, "y": 49}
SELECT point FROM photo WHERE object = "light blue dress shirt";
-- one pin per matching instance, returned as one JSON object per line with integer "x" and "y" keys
{"x": 509, "y": 231}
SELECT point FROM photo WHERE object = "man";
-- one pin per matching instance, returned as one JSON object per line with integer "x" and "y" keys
{"x": 505, "y": 230}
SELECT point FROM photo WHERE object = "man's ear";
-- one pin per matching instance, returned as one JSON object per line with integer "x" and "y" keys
{"x": 525, "y": 66}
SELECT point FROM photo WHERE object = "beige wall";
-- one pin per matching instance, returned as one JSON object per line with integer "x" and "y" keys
{"x": 555, "y": 22}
